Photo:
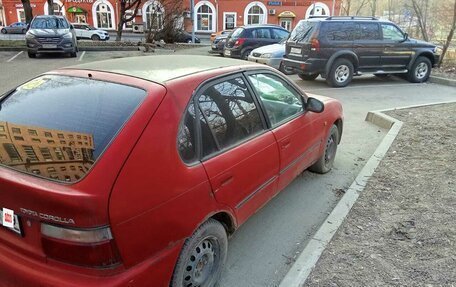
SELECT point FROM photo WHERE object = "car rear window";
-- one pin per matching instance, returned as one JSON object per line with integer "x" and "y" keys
{"x": 303, "y": 31}
{"x": 57, "y": 127}
{"x": 237, "y": 33}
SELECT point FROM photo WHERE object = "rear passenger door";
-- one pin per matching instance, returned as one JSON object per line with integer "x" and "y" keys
{"x": 262, "y": 37}
{"x": 368, "y": 45}
{"x": 297, "y": 134}
{"x": 239, "y": 154}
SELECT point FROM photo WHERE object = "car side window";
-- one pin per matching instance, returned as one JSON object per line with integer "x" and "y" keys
{"x": 368, "y": 31}
{"x": 280, "y": 101}
{"x": 279, "y": 34}
{"x": 262, "y": 33}
{"x": 391, "y": 32}
{"x": 186, "y": 137}
{"x": 339, "y": 31}
{"x": 230, "y": 112}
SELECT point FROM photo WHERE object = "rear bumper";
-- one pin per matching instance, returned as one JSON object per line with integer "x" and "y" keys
{"x": 307, "y": 67}
{"x": 273, "y": 62}
{"x": 17, "y": 270}
{"x": 232, "y": 52}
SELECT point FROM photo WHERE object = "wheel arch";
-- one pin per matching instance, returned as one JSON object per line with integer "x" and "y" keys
{"x": 226, "y": 219}
{"x": 340, "y": 126}
{"x": 425, "y": 53}
{"x": 346, "y": 54}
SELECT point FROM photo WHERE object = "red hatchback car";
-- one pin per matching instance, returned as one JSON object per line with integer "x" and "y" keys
{"x": 133, "y": 172}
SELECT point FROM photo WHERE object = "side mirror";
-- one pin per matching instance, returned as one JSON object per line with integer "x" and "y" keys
{"x": 405, "y": 37}
{"x": 314, "y": 105}
{"x": 87, "y": 28}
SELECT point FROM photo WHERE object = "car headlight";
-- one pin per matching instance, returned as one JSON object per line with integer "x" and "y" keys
{"x": 29, "y": 36}
{"x": 437, "y": 50}
{"x": 68, "y": 35}
{"x": 267, "y": 55}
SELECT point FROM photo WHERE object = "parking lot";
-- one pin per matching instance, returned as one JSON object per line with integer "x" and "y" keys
{"x": 262, "y": 250}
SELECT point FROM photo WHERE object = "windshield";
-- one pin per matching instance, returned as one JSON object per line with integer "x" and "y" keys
{"x": 49, "y": 23}
{"x": 58, "y": 126}
{"x": 303, "y": 31}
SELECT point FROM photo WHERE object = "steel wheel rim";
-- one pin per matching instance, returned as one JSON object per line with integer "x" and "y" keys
{"x": 342, "y": 73}
{"x": 421, "y": 70}
{"x": 330, "y": 149}
{"x": 203, "y": 261}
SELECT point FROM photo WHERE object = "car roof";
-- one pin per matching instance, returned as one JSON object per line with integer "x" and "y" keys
{"x": 50, "y": 16}
{"x": 161, "y": 69}
{"x": 254, "y": 26}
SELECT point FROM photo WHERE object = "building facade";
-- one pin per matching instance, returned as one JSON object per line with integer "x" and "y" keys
{"x": 209, "y": 15}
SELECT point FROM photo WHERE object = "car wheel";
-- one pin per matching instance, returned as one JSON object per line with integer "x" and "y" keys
{"x": 245, "y": 55}
{"x": 308, "y": 77}
{"x": 202, "y": 257}
{"x": 341, "y": 73}
{"x": 189, "y": 41}
{"x": 420, "y": 70}
{"x": 95, "y": 38}
{"x": 74, "y": 54}
{"x": 4, "y": 31}
{"x": 326, "y": 161}
{"x": 31, "y": 55}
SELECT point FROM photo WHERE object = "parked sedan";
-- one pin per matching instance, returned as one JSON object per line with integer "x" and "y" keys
{"x": 218, "y": 45}
{"x": 15, "y": 28}
{"x": 134, "y": 171}
{"x": 270, "y": 55}
{"x": 85, "y": 31}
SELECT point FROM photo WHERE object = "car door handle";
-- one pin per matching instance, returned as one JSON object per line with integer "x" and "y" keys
{"x": 285, "y": 143}
{"x": 226, "y": 181}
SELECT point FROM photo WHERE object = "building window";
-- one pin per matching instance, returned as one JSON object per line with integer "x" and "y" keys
{"x": 63, "y": 142}
{"x": 18, "y": 138}
{"x": 30, "y": 152}
{"x": 12, "y": 152}
{"x": 57, "y": 7}
{"x": 36, "y": 140}
{"x": 60, "y": 136}
{"x": 154, "y": 15}
{"x": 204, "y": 18}
{"x": 59, "y": 153}
{"x": 32, "y": 132}
{"x": 48, "y": 134}
{"x": 2, "y": 128}
{"x": 46, "y": 153}
{"x": 2, "y": 136}
{"x": 16, "y": 130}
{"x": 104, "y": 16}
{"x": 51, "y": 142}
{"x": 255, "y": 15}
{"x": 317, "y": 9}
{"x": 62, "y": 168}
{"x": 36, "y": 171}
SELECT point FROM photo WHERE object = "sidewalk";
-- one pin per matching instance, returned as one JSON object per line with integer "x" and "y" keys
{"x": 401, "y": 230}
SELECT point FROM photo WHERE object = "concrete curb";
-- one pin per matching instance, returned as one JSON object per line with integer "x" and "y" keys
{"x": 309, "y": 257}
{"x": 442, "y": 81}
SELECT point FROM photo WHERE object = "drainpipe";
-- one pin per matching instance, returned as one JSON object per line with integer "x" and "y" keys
{"x": 333, "y": 7}
{"x": 216, "y": 15}
{"x": 192, "y": 15}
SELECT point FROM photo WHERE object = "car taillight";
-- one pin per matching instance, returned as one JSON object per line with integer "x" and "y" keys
{"x": 85, "y": 247}
{"x": 239, "y": 42}
{"x": 315, "y": 44}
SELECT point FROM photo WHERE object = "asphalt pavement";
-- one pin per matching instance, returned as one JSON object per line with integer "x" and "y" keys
{"x": 263, "y": 249}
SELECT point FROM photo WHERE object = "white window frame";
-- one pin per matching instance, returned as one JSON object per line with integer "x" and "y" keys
{"x": 321, "y": 5}
{"x": 144, "y": 11}
{"x": 224, "y": 19}
{"x": 214, "y": 16}
{"x": 58, "y": 2}
{"x": 94, "y": 14}
{"x": 252, "y": 4}
{"x": 18, "y": 15}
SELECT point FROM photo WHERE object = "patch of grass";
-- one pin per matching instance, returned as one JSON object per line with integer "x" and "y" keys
{"x": 12, "y": 43}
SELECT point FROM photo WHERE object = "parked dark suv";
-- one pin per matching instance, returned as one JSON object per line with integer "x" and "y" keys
{"x": 337, "y": 48}
{"x": 244, "y": 39}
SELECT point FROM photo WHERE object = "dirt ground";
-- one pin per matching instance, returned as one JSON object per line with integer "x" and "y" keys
{"x": 402, "y": 229}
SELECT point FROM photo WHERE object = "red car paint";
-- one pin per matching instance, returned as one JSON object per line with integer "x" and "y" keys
{"x": 151, "y": 200}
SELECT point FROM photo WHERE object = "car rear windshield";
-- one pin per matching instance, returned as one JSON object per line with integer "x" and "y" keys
{"x": 237, "y": 33}
{"x": 302, "y": 31}
{"x": 58, "y": 126}
{"x": 49, "y": 23}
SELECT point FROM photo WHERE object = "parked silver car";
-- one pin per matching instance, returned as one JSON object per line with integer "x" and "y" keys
{"x": 15, "y": 28}
{"x": 270, "y": 55}
{"x": 51, "y": 34}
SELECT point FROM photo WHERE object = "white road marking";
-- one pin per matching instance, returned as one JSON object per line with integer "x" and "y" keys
{"x": 366, "y": 87}
{"x": 82, "y": 56}
{"x": 14, "y": 57}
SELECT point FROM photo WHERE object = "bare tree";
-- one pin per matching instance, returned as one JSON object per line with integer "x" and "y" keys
{"x": 27, "y": 10}
{"x": 421, "y": 16}
{"x": 449, "y": 37}
{"x": 361, "y": 6}
{"x": 126, "y": 5}
{"x": 50, "y": 7}
{"x": 373, "y": 4}
{"x": 167, "y": 23}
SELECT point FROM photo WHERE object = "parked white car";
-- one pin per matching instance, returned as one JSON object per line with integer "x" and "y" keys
{"x": 85, "y": 31}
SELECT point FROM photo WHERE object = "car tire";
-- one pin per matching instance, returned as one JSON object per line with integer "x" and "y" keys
{"x": 4, "y": 31}
{"x": 420, "y": 71}
{"x": 31, "y": 55}
{"x": 326, "y": 161}
{"x": 341, "y": 73}
{"x": 74, "y": 54}
{"x": 202, "y": 257}
{"x": 245, "y": 54}
{"x": 308, "y": 77}
{"x": 190, "y": 41}
{"x": 95, "y": 38}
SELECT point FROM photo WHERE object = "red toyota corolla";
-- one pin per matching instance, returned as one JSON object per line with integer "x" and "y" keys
{"x": 133, "y": 172}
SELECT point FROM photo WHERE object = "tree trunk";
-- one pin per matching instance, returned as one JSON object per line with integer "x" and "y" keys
{"x": 121, "y": 21}
{"x": 50, "y": 7}
{"x": 27, "y": 10}
{"x": 449, "y": 38}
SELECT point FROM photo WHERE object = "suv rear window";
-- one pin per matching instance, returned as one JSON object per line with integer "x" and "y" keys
{"x": 58, "y": 126}
{"x": 302, "y": 31}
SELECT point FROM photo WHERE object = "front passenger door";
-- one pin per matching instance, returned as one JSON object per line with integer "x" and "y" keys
{"x": 396, "y": 53}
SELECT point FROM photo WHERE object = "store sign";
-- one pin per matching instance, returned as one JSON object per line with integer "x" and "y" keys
{"x": 275, "y": 3}
{"x": 22, "y": 6}
{"x": 79, "y": 1}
